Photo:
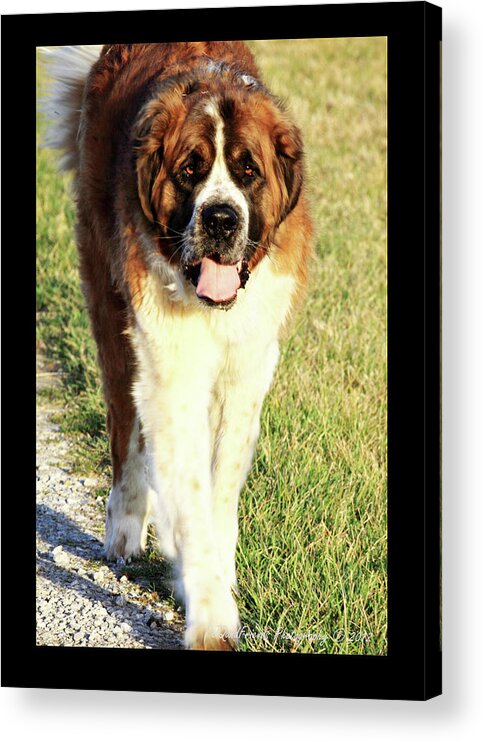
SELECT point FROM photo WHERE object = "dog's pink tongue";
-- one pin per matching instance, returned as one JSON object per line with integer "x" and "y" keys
{"x": 217, "y": 282}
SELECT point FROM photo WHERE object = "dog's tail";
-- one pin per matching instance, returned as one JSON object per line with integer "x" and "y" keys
{"x": 66, "y": 69}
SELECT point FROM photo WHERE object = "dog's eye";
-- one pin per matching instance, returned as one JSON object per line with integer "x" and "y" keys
{"x": 250, "y": 171}
{"x": 189, "y": 172}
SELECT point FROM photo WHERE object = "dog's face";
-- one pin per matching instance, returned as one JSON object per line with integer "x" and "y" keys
{"x": 218, "y": 169}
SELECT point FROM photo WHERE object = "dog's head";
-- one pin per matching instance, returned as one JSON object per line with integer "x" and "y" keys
{"x": 218, "y": 168}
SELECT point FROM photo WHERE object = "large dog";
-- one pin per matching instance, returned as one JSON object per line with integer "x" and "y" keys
{"x": 194, "y": 241}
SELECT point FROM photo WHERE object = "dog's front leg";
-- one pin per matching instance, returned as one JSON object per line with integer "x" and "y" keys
{"x": 174, "y": 410}
{"x": 250, "y": 373}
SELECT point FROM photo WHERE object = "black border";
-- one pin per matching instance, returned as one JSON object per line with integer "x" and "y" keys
{"x": 412, "y": 669}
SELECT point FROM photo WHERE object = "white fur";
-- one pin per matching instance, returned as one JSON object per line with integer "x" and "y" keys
{"x": 131, "y": 505}
{"x": 67, "y": 68}
{"x": 219, "y": 185}
{"x": 202, "y": 378}
{"x": 218, "y": 188}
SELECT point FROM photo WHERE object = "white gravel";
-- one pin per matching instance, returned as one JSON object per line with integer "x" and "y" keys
{"x": 81, "y": 599}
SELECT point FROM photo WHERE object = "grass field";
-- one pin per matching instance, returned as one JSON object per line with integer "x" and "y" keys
{"x": 312, "y": 548}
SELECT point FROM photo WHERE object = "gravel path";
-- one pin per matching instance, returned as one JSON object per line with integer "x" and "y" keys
{"x": 81, "y": 599}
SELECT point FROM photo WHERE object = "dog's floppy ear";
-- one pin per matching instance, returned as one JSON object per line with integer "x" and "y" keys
{"x": 289, "y": 153}
{"x": 149, "y": 154}
{"x": 148, "y": 166}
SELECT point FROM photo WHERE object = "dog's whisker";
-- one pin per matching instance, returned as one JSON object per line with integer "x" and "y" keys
{"x": 176, "y": 252}
{"x": 171, "y": 229}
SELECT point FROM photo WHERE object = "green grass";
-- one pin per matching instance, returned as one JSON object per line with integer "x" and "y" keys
{"x": 312, "y": 547}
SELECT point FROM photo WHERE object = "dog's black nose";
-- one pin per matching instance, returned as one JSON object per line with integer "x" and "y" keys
{"x": 220, "y": 221}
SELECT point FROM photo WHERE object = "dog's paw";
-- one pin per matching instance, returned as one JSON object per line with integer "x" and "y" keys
{"x": 212, "y": 622}
{"x": 125, "y": 537}
{"x": 209, "y": 640}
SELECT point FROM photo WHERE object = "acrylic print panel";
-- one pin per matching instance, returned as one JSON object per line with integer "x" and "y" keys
{"x": 285, "y": 569}
{"x": 311, "y": 556}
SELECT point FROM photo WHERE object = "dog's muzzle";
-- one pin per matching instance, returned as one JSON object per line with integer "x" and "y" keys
{"x": 218, "y": 264}
{"x": 220, "y": 222}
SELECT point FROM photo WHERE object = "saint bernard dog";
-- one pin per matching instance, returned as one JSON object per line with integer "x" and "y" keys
{"x": 194, "y": 241}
